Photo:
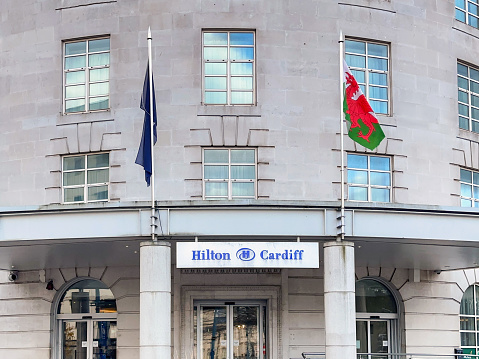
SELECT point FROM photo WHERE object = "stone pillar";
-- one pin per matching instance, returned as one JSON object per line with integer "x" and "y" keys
{"x": 155, "y": 300}
{"x": 339, "y": 301}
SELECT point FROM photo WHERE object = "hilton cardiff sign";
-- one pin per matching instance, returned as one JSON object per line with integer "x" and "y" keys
{"x": 247, "y": 255}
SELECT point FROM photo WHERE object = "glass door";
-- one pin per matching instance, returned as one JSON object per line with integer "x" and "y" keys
{"x": 230, "y": 331}
{"x": 373, "y": 336}
{"x": 88, "y": 339}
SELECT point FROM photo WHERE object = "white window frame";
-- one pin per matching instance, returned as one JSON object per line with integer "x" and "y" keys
{"x": 475, "y": 319}
{"x": 472, "y": 124}
{"x": 228, "y": 62}
{"x": 369, "y": 186}
{"x": 472, "y": 185}
{"x": 85, "y": 185}
{"x": 365, "y": 85}
{"x": 466, "y": 12}
{"x": 87, "y": 70}
{"x": 229, "y": 180}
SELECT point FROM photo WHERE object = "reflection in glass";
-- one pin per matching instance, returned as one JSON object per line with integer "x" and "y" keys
{"x": 73, "y": 163}
{"x": 357, "y": 47}
{"x": 216, "y": 172}
{"x": 73, "y": 194}
{"x": 216, "y": 156}
{"x": 216, "y": 189}
{"x": 98, "y": 160}
{"x": 73, "y": 178}
{"x": 215, "y": 83}
{"x": 98, "y": 193}
{"x": 356, "y": 61}
{"x": 213, "y": 333}
{"x": 358, "y": 193}
{"x": 241, "y": 83}
{"x": 215, "y": 53}
{"x": 74, "y": 48}
{"x": 242, "y": 68}
{"x": 98, "y": 176}
{"x": 99, "y": 74}
{"x": 374, "y": 297}
{"x": 357, "y": 161}
{"x": 380, "y": 179}
{"x": 215, "y": 38}
{"x": 99, "y": 59}
{"x": 361, "y": 336}
{"x": 75, "y": 77}
{"x": 377, "y": 50}
{"x": 379, "y": 337}
{"x": 215, "y": 69}
{"x": 215, "y": 97}
{"x": 242, "y": 156}
{"x": 239, "y": 98}
{"x": 75, "y": 62}
{"x": 378, "y": 92}
{"x": 99, "y": 103}
{"x": 99, "y": 45}
{"x": 73, "y": 335}
{"x": 102, "y": 88}
{"x": 241, "y": 53}
{"x": 245, "y": 332}
{"x": 243, "y": 189}
{"x": 380, "y": 195}
{"x": 241, "y": 38}
{"x": 379, "y": 163}
{"x": 105, "y": 333}
{"x": 357, "y": 177}
{"x": 75, "y": 91}
{"x": 87, "y": 296}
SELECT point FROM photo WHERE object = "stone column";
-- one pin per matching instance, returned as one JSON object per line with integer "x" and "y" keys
{"x": 155, "y": 300}
{"x": 339, "y": 301}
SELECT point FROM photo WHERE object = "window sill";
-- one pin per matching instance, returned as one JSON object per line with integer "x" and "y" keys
{"x": 468, "y": 135}
{"x": 232, "y": 110}
{"x": 80, "y": 117}
{"x": 465, "y": 28}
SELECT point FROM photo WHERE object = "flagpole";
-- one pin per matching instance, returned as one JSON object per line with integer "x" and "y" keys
{"x": 152, "y": 179}
{"x": 340, "y": 236}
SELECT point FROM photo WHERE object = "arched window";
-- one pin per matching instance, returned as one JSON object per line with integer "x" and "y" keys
{"x": 377, "y": 325}
{"x": 86, "y": 321}
{"x": 469, "y": 315}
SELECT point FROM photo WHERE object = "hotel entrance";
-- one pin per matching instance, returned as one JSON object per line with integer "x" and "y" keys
{"x": 230, "y": 330}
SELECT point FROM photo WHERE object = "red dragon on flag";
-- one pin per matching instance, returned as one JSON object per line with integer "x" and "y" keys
{"x": 363, "y": 124}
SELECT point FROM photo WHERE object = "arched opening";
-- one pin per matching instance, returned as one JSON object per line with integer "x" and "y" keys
{"x": 85, "y": 319}
{"x": 469, "y": 316}
{"x": 377, "y": 324}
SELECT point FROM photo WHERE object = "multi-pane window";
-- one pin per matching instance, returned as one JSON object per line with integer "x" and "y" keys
{"x": 86, "y": 75}
{"x": 86, "y": 178}
{"x": 469, "y": 320}
{"x": 468, "y": 97}
{"x": 228, "y": 68}
{"x": 369, "y": 178}
{"x": 468, "y": 11}
{"x": 469, "y": 188}
{"x": 229, "y": 173}
{"x": 369, "y": 64}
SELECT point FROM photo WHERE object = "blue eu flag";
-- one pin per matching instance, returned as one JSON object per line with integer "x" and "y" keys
{"x": 144, "y": 152}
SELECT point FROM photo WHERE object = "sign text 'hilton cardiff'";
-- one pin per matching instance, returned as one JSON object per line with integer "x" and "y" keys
{"x": 247, "y": 255}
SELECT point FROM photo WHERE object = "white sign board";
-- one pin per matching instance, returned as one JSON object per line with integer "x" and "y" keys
{"x": 247, "y": 255}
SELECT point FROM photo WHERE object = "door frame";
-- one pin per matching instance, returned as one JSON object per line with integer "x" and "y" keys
{"x": 262, "y": 306}
{"x": 392, "y": 324}
{"x": 81, "y": 317}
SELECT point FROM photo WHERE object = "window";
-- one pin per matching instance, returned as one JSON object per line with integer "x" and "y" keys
{"x": 228, "y": 67}
{"x": 86, "y": 75}
{"x": 469, "y": 188}
{"x": 229, "y": 173}
{"x": 377, "y": 325}
{"x": 86, "y": 322}
{"x": 469, "y": 320}
{"x": 369, "y": 64}
{"x": 86, "y": 178}
{"x": 369, "y": 178}
{"x": 468, "y": 97}
{"x": 467, "y": 12}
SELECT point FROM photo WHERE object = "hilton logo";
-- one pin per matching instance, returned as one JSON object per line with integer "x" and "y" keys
{"x": 245, "y": 254}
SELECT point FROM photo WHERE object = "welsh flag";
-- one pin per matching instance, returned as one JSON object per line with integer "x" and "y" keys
{"x": 363, "y": 125}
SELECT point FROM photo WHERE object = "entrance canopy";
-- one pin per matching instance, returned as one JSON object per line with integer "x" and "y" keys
{"x": 108, "y": 234}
